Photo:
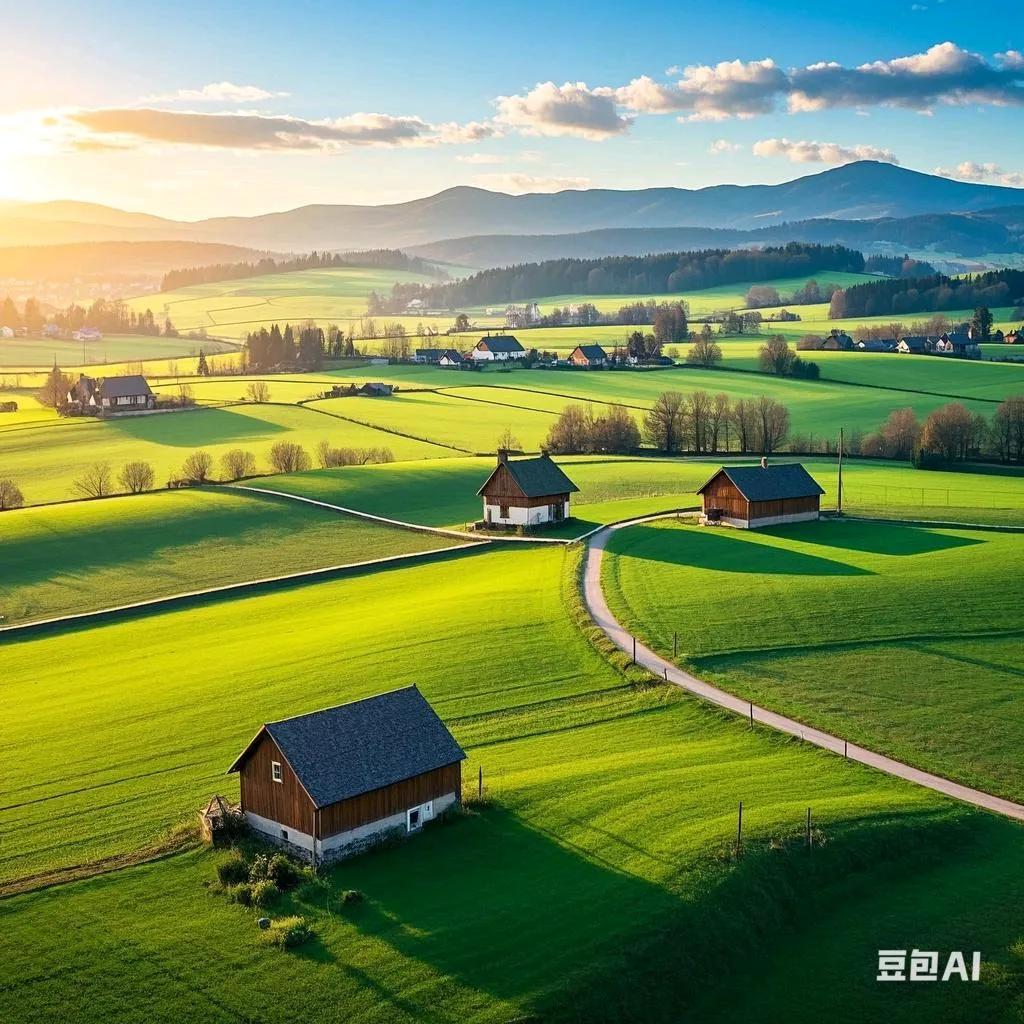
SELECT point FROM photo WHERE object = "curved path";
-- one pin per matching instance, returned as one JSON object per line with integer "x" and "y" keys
{"x": 599, "y": 611}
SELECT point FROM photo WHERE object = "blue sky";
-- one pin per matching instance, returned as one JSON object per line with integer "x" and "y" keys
{"x": 195, "y": 109}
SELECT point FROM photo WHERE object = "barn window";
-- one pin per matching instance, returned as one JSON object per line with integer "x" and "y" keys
{"x": 503, "y": 511}
{"x": 275, "y": 771}
{"x": 284, "y": 834}
{"x": 413, "y": 819}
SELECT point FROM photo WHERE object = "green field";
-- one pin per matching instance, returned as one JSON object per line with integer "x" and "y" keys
{"x": 45, "y": 460}
{"x": 112, "y": 348}
{"x": 81, "y": 556}
{"x": 903, "y": 639}
{"x": 609, "y": 863}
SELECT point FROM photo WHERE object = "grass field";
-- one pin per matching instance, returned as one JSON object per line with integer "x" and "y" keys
{"x": 885, "y": 635}
{"x": 610, "y": 864}
{"x": 82, "y": 556}
{"x": 46, "y": 459}
{"x": 113, "y": 348}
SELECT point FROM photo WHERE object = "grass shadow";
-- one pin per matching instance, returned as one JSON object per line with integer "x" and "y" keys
{"x": 877, "y": 538}
{"x": 196, "y": 427}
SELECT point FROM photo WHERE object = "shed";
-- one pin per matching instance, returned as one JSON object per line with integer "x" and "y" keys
{"x": 330, "y": 783}
{"x": 376, "y": 389}
{"x": 753, "y": 496}
{"x": 526, "y": 492}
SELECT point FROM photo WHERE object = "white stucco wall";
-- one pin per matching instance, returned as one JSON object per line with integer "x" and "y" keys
{"x": 520, "y": 515}
{"x": 742, "y": 524}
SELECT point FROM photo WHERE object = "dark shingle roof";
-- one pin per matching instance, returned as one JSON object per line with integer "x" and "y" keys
{"x": 916, "y": 342}
{"x": 961, "y": 340}
{"x": 123, "y": 387}
{"x": 535, "y": 477}
{"x": 453, "y": 354}
{"x": 755, "y": 483}
{"x": 351, "y": 749}
{"x": 592, "y": 351}
{"x": 500, "y": 343}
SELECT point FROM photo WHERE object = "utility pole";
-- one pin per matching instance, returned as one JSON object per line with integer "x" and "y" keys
{"x": 839, "y": 498}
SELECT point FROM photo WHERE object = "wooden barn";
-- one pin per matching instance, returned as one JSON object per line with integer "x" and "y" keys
{"x": 526, "y": 492}
{"x": 590, "y": 356}
{"x": 753, "y": 496}
{"x": 328, "y": 784}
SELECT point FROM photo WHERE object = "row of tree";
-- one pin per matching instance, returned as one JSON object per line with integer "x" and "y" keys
{"x": 303, "y": 347}
{"x": 935, "y": 292}
{"x": 112, "y": 316}
{"x": 768, "y": 295}
{"x": 657, "y": 274}
{"x": 385, "y": 259}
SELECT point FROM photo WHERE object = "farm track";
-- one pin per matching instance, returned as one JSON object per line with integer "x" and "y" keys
{"x": 660, "y": 668}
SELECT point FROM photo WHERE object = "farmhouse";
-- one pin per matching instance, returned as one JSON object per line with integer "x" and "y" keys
{"x": 87, "y": 334}
{"x": 1013, "y": 338}
{"x": 838, "y": 341}
{"x": 497, "y": 348}
{"x": 917, "y": 345}
{"x": 957, "y": 344}
{"x": 427, "y": 355}
{"x": 752, "y": 496}
{"x": 880, "y": 345}
{"x": 592, "y": 356}
{"x": 328, "y": 784}
{"x": 526, "y": 492}
{"x": 449, "y": 357}
{"x": 116, "y": 393}
{"x": 376, "y": 389}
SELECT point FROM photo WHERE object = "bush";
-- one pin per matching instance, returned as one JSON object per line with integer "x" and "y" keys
{"x": 287, "y": 932}
{"x": 283, "y": 872}
{"x": 288, "y": 457}
{"x": 241, "y": 894}
{"x": 264, "y": 893}
{"x": 351, "y": 897}
{"x": 197, "y": 467}
{"x": 233, "y": 870}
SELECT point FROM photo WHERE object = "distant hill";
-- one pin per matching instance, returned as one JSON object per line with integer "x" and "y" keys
{"x": 968, "y": 235}
{"x": 857, "y": 191}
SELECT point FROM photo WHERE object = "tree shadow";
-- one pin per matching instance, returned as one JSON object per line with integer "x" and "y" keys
{"x": 878, "y": 538}
{"x": 727, "y": 550}
{"x": 196, "y": 427}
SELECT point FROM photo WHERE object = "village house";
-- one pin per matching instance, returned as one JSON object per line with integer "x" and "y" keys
{"x": 116, "y": 394}
{"x": 522, "y": 316}
{"x": 331, "y": 783}
{"x": 87, "y": 334}
{"x": 526, "y": 492}
{"x": 878, "y": 345}
{"x": 917, "y": 345}
{"x": 838, "y": 341}
{"x": 592, "y": 356}
{"x": 427, "y": 355}
{"x": 497, "y": 348}
{"x": 450, "y": 358}
{"x": 753, "y": 496}
{"x": 6, "y": 332}
{"x": 1013, "y": 338}
{"x": 958, "y": 344}
{"x": 377, "y": 389}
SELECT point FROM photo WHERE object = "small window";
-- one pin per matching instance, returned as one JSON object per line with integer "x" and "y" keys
{"x": 503, "y": 511}
{"x": 413, "y": 820}
{"x": 275, "y": 771}
{"x": 284, "y": 834}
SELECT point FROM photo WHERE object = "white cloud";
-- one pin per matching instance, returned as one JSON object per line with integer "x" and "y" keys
{"x": 569, "y": 109}
{"x": 805, "y": 152}
{"x": 258, "y": 131}
{"x": 216, "y": 92}
{"x": 987, "y": 173}
{"x": 480, "y": 158}
{"x": 720, "y": 146}
{"x": 521, "y": 183}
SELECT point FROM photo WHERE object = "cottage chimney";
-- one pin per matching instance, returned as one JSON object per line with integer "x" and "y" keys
{"x": 764, "y": 461}
{"x": 545, "y": 454}
{"x": 503, "y": 455}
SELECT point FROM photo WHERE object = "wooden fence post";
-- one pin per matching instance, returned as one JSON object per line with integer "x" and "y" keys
{"x": 675, "y": 645}
{"x": 480, "y": 782}
{"x": 751, "y": 714}
{"x": 808, "y": 829}
{"x": 739, "y": 832}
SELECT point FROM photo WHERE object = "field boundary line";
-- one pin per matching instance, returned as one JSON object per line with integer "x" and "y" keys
{"x": 240, "y": 586}
{"x": 994, "y": 527}
{"x": 417, "y": 527}
{"x": 307, "y": 403}
{"x": 601, "y": 615}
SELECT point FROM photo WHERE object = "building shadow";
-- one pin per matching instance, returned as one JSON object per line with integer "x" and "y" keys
{"x": 196, "y": 428}
{"x": 876, "y": 538}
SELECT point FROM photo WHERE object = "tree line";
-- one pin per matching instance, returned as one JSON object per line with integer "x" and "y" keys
{"x": 699, "y": 423}
{"x": 111, "y": 316}
{"x": 656, "y": 274}
{"x": 303, "y": 347}
{"x": 935, "y": 292}
{"x": 386, "y": 259}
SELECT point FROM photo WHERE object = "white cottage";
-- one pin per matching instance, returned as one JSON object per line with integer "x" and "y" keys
{"x": 526, "y": 492}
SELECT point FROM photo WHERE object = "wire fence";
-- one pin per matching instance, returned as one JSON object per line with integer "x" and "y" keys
{"x": 891, "y": 496}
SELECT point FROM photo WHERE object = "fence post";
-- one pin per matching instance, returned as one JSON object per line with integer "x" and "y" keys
{"x": 633, "y": 662}
{"x": 675, "y": 645}
{"x": 739, "y": 832}
{"x": 751, "y": 714}
{"x": 480, "y": 783}
{"x": 808, "y": 831}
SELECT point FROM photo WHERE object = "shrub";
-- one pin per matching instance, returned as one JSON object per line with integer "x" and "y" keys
{"x": 10, "y": 495}
{"x": 237, "y": 463}
{"x": 283, "y": 872}
{"x": 242, "y": 894}
{"x": 351, "y": 897}
{"x": 264, "y": 893}
{"x": 197, "y": 467}
{"x": 137, "y": 477}
{"x": 287, "y": 932}
{"x": 288, "y": 457}
{"x": 233, "y": 870}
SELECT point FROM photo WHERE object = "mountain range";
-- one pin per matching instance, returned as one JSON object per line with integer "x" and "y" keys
{"x": 865, "y": 191}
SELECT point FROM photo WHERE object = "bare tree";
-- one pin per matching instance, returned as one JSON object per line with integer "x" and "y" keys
{"x": 95, "y": 482}
{"x": 699, "y": 412}
{"x": 744, "y": 418}
{"x": 705, "y": 351}
{"x": 664, "y": 424}
{"x": 258, "y": 391}
{"x": 776, "y": 356}
{"x": 54, "y": 392}
{"x": 950, "y": 431}
{"x": 721, "y": 413}
{"x": 288, "y": 457}
{"x": 772, "y": 424}
{"x": 614, "y": 431}
{"x": 197, "y": 467}
{"x": 236, "y": 463}
{"x": 508, "y": 441}
{"x": 136, "y": 477}
{"x": 1008, "y": 428}
{"x": 570, "y": 433}
{"x": 900, "y": 433}
{"x": 10, "y": 495}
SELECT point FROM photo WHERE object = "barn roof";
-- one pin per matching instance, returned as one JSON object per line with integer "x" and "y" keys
{"x": 124, "y": 387}
{"x": 500, "y": 343}
{"x": 535, "y": 477}
{"x": 770, "y": 483}
{"x": 364, "y": 745}
{"x": 591, "y": 351}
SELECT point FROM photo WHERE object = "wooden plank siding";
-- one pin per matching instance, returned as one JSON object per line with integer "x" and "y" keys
{"x": 287, "y": 803}
{"x": 722, "y": 493}
{"x": 784, "y": 507}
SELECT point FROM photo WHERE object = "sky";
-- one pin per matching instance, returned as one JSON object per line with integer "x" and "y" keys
{"x": 192, "y": 110}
